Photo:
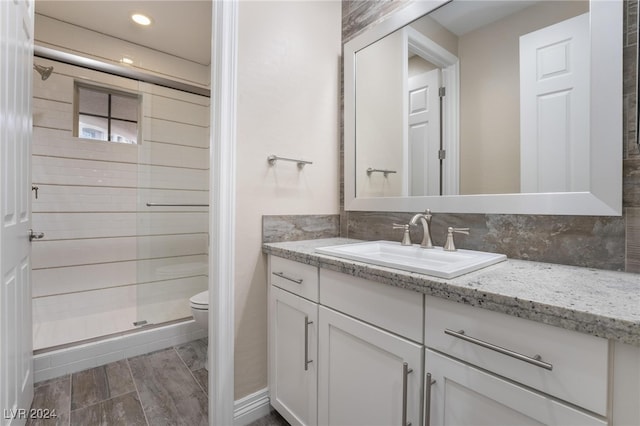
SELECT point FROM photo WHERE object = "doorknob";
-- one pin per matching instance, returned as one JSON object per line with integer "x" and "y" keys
{"x": 35, "y": 235}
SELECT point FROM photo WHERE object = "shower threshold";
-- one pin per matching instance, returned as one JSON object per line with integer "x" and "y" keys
{"x": 138, "y": 328}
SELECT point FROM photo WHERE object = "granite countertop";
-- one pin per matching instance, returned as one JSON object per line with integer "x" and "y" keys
{"x": 597, "y": 302}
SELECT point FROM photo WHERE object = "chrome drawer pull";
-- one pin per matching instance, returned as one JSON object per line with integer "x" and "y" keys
{"x": 405, "y": 379}
{"x": 536, "y": 360}
{"x": 282, "y": 275}
{"x": 307, "y": 361}
{"x": 427, "y": 399}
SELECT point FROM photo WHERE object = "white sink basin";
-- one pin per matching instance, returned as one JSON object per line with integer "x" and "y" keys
{"x": 435, "y": 261}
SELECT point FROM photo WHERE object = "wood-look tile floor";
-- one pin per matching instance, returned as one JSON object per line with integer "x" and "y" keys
{"x": 167, "y": 387}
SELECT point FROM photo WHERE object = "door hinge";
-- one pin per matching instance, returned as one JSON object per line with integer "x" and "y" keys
{"x": 442, "y": 92}
{"x": 442, "y": 154}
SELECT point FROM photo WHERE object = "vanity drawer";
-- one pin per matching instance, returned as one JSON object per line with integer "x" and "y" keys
{"x": 394, "y": 309}
{"x": 296, "y": 277}
{"x": 579, "y": 362}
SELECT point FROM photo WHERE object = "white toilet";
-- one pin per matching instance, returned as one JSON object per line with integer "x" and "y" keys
{"x": 200, "y": 311}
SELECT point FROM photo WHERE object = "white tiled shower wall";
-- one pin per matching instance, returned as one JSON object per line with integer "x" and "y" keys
{"x": 107, "y": 259}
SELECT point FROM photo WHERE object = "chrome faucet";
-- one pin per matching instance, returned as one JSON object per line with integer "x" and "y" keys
{"x": 425, "y": 220}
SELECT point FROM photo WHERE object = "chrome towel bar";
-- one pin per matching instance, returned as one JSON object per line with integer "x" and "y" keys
{"x": 272, "y": 159}
{"x": 383, "y": 171}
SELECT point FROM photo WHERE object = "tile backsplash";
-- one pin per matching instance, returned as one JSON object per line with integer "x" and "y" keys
{"x": 299, "y": 227}
{"x": 589, "y": 241}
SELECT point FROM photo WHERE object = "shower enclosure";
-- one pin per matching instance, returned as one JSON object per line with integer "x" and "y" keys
{"x": 121, "y": 195}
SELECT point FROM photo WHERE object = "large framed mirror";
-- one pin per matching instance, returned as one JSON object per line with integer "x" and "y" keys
{"x": 511, "y": 106}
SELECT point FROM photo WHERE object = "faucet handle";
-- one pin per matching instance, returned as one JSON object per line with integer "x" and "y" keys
{"x": 406, "y": 238}
{"x": 459, "y": 230}
{"x": 450, "y": 245}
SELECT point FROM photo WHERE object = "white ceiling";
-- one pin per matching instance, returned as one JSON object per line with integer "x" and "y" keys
{"x": 183, "y": 27}
{"x": 180, "y": 27}
{"x": 461, "y": 17}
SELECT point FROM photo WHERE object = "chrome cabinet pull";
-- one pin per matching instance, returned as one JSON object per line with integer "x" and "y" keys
{"x": 35, "y": 235}
{"x": 427, "y": 399}
{"x": 535, "y": 360}
{"x": 405, "y": 379}
{"x": 282, "y": 275}
{"x": 174, "y": 205}
{"x": 307, "y": 361}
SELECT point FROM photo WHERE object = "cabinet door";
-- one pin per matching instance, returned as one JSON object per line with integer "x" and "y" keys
{"x": 292, "y": 357}
{"x": 363, "y": 374}
{"x": 462, "y": 395}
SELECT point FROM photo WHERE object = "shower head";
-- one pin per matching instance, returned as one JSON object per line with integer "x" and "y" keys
{"x": 44, "y": 72}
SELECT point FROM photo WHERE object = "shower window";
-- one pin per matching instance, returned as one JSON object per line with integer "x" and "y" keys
{"x": 107, "y": 115}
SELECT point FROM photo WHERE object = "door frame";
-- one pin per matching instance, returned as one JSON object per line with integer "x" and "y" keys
{"x": 222, "y": 212}
{"x": 431, "y": 51}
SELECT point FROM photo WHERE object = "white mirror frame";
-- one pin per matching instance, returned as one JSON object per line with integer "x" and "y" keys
{"x": 605, "y": 197}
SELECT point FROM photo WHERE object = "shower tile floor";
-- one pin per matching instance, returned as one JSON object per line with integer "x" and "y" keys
{"x": 167, "y": 387}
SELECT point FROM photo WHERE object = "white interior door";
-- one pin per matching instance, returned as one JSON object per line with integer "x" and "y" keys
{"x": 424, "y": 134}
{"x": 16, "y": 60}
{"x": 554, "y": 107}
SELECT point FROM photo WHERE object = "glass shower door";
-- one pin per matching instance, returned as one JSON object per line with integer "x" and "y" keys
{"x": 173, "y": 194}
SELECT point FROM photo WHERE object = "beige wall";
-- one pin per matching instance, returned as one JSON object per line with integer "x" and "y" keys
{"x": 379, "y": 116}
{"x": 490, "y": 101}
{"x": 418, "y": 66}
{"x": 437, "y": 33}
{"x": 288, "y": 105}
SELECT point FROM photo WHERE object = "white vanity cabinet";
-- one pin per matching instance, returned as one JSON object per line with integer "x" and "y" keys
{"x": 293, "y": 325}
{"x": 370, "y": 370}
{"x": 348, "y": 351}
{"x": 490, "y": 368}
{"x": 461, "y": 394}
{"x": 369, "y": 376}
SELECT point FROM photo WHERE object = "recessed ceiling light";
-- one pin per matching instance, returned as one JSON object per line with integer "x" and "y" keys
{"x": 126, "y": 60}
{"x": 141, "y": 19}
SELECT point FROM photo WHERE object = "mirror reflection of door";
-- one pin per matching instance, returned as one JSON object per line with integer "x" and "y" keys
{"x": 554, "y": 107}
{"x": 431, "y": 138}
{"x": 424, "y": 133}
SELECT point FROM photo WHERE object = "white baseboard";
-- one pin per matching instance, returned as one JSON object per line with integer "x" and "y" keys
{"x": 251, "y": 407}
{"x": 51, "y": 364}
